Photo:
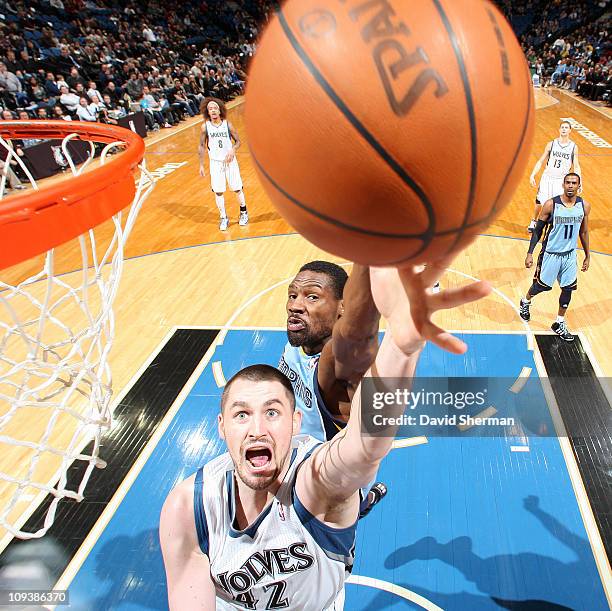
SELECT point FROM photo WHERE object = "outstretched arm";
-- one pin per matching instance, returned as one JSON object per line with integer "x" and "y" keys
{"x": 190, "y": 586}
{"x": 345, "y": 359}
{"x": 328, "y": 482}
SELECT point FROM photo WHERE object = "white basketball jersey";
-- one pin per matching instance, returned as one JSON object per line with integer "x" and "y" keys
{"x": 301, "y": 369}
{"x": 219, "y": 140}
{"x": 560, "y": 159}
{"x": 285, "y": 559}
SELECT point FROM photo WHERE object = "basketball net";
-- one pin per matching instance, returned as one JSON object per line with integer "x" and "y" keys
{"x": 56, "y": 332}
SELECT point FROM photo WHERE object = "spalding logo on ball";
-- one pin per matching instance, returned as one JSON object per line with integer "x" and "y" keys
{"x": 389, "y": 132}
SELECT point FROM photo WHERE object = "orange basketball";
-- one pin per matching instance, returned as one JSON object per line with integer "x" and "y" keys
{"x": 388, "y": 131}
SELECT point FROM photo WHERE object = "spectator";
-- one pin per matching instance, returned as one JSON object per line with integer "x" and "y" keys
{"x": 51, "y": 86}
{"x": 37, "y": 94}
{"x": 58, "y": 113}
{"x": 86, "y": 111}
{"x": 113, "y": 111}
{"x": 114, "y": 92}
{"x": 134, "y": 86}
{"x": 69, "y": 100}
{"x": 148, "y": 34}
{"x": 93, "y": 91}
{"x": 75, "y": 79}
{"x": 10, "y": 82}
{"x": 150, "y": 104}
{"x": 178, "y": 98}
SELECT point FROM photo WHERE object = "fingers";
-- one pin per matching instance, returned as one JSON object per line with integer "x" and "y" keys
{"x": 443, "y": 339}
{"x": 452, "y": 298}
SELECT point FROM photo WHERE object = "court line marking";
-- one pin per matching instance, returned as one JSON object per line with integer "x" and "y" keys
{"x": 408, "y": 442}
{"x": 109, "y": 511}
{"x": 545, "y": 103}
{"x": 392, "y": 588}
{"x": 485, "y": 413}
{"x": 283, "y": 235}
{"x": 582, "y": 499}
{"x": 126, "y": 484}
{"x": 39, "y": 498}
{"x": 601, "y": 376}
{"x": 577, "y": 99}
{"x": 217, "y": 370}
{"x": 521, "y": 380}
{"x": 587, "y": 348}
{"x": 528, "y": 331}
{"x": 519, "y": 449}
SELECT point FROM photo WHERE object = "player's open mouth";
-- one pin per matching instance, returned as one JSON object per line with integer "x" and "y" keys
{"x": 295, "y": 324}
{"x": 258, "y": 458}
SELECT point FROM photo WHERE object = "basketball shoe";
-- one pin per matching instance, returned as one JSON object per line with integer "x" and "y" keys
{"x": 560, "y": 328}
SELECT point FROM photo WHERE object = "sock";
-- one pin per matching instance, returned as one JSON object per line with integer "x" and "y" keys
{"x": 240, "y": 195}
{"x": 220, "y": 201}
{"x": 523, "y": 300}
{"x": 560, "y": 319}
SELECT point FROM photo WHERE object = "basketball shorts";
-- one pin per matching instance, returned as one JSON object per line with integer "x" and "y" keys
{"x": 562, "y": 267}
{"x": 223, "y": 176}
{"x": 549, "y": 188}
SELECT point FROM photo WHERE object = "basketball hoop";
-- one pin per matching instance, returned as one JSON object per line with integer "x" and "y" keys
{"x": 56, "y": 328}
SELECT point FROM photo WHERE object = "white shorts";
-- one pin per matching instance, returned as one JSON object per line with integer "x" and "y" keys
{"x": 549, "y": 187}
{"x": 222, "y": 174}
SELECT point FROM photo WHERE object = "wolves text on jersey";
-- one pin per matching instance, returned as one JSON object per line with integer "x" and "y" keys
{"x": 267, "y": 563}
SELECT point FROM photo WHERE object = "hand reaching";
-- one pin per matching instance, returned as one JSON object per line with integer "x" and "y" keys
{"x": 403, "y": 297}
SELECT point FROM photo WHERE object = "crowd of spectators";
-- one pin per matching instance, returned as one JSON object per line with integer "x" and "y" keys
{"x": 566, "y": 43}
{"x": 580, "y": 61}
{"x": 98, "y": 60}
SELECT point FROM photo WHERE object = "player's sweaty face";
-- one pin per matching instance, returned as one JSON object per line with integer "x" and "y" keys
{"x": 564, "y": 130}
{"x": 312, "y": 309}
{"x": 257, "y": 423}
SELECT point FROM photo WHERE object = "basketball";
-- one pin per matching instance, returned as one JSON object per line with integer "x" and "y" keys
{"x": 389, "y": 132}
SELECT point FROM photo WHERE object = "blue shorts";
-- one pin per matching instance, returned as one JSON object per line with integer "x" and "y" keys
{"x": 562, "y": 267}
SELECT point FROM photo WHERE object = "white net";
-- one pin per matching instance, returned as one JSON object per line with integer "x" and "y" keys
{"x": 56, "y": 331}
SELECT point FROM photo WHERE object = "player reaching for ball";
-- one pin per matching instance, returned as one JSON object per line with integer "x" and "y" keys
{"x": 332, "y": 338}
{"x": 271, "y": 524}
{"x": 216, "y": 136}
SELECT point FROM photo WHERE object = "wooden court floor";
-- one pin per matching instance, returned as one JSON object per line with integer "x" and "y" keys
{"x": 181, "y": 270}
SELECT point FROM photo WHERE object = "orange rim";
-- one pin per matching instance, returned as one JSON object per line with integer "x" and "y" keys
{"x": 35, "y": 222}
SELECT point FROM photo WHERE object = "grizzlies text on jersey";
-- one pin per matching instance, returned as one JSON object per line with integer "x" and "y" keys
{"x": 558, "y": 260}
{"x": 301, "y": 369}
